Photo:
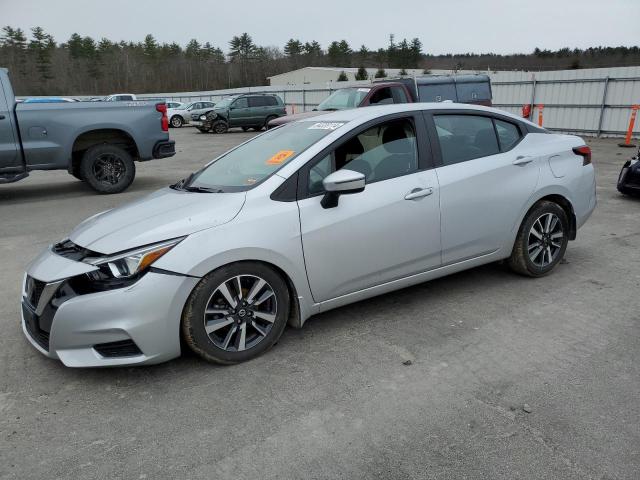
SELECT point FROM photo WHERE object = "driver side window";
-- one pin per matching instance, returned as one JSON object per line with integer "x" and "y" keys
{"x": 240, "y": 103}
{"x": 382, "y": 152}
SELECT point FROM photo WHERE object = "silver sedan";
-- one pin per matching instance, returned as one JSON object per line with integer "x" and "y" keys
{"x": 302, "y": 219}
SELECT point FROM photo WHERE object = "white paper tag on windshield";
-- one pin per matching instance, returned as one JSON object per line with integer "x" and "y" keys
{"x": 364, "y": 89}
{"x": 325, "y": 125}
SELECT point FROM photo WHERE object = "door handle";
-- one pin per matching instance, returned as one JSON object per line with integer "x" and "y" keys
{"x": 418, "y": 193}
{"x": 522, "y": 160}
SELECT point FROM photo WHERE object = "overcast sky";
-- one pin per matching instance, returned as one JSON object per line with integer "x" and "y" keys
{"x": 443, "y": 26}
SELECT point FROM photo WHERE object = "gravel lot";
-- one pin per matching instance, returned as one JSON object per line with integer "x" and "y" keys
{"x": 335, "y": 399}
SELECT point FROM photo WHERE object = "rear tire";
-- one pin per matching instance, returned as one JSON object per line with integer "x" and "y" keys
{"x": 542, "y": 240}
{"x": 107, "y": 168}
{"x": 267, "y": 120}
{"x": 239, "y": 323}
{"x": 176, "y": 121}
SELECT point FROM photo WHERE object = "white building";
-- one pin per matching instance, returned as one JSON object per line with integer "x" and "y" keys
{"x": 324, "y": 75}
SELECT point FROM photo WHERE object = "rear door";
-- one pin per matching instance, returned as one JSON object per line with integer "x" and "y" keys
{"x": 9, "y": 149}
{"x": 485, "y": 180}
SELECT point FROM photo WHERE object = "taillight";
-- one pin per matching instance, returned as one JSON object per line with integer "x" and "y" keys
{"x": 164, "y": 121}
{"x": 585, "y": 153}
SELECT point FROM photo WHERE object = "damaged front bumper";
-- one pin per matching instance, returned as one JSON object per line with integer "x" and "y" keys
{"x": 65, "y": 318}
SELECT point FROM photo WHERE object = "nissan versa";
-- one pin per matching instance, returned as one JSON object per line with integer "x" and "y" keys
{"x": 304, "y": 218}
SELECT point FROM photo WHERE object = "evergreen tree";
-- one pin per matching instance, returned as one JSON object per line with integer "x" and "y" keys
{"x": 362, "y": 74}
{"x": 381, "y": 73}
{"x": 342, "y": 77}
{"x": 42, "y": 46}
{"x": 293, "y": 48}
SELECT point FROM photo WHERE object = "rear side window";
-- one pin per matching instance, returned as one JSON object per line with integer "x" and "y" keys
{"x": 399, "y": 96}
{"x": 508, "y": 134}
{"x": 271, "y": 101}
{"x": 465, "y": 137}
{"x": 257, "y": 102}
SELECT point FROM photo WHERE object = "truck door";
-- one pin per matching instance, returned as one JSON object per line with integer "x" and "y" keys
{"x": 9, "y": 153}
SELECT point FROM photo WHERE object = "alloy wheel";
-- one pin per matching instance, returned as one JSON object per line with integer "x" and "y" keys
{"x": 545, "y": 240}
{"x": 108, "y": 168}
{"x": 240, "y": 313}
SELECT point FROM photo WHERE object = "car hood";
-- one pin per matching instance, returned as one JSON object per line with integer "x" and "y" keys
{"x": 296, "y": 116}
{"x": 162, "y": 215}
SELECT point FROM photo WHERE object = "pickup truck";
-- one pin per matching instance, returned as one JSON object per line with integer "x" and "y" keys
{"x": 96, "y": 142}
{"x": 474, "y": 89}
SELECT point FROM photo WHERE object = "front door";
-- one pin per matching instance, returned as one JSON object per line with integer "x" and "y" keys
{"x": 239, "y": 113}
{"x": 9, "y": 153}
{"x": 389, "y": 231}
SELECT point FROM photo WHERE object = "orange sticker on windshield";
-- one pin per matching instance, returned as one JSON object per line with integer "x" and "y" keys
{"x": 280, "y": 157}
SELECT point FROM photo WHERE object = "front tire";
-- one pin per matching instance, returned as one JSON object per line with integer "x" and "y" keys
{"x": 220, "y": 127}
{"x": 107, "y": 168}
{"x": 176, "y": 121}
{"x": 236, "y": 313}
{"x": 542, "y": 240}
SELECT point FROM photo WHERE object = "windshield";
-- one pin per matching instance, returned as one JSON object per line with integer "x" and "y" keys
{"x": 225, "y": 102}
{"x": 344, "y": 98}
{"x": 256, "y": 160}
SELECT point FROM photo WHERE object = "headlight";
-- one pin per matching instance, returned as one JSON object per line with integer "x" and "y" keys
{"x": 203, "y": 117}
{"x": 132, "y": 262}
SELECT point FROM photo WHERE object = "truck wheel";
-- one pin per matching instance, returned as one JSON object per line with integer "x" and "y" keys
{"x": 176, "y": 121}
{"x": 76, "y": 172}
{"x": 107, "y": 168}
{"x": 220, "y": 127}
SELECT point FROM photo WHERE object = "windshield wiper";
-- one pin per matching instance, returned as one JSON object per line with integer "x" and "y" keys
{"x": 330, "y": 109}
{"x": 179, "y": 185}
{"x": 203, "y": 189}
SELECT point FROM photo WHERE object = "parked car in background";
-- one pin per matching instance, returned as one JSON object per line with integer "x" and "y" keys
{"x": 120, "y": 97}
{"x": 50, "y": 100}
{"x": 95, "y": 142}
{"x": 254, "y": 110}
{"x": 629, "y": 178}
{"x": 472, "y": 89}
{"x": 311, "y": 216}
{"x": 182, "y": 115}
{"x": 173, "y": 104}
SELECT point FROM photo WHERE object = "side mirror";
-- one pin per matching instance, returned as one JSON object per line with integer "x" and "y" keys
{"x": 338, "y": 183}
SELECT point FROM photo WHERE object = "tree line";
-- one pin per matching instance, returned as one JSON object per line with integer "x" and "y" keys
{"x": 82, "y": 65}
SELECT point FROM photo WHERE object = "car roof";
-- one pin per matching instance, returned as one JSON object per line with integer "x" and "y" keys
{"x": 364, "y": 114}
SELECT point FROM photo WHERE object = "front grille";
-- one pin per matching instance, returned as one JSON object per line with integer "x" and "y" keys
{"x": 122, "y": 348}
{"x": 32, "y": 323}
{"x": 33, "y": 290}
